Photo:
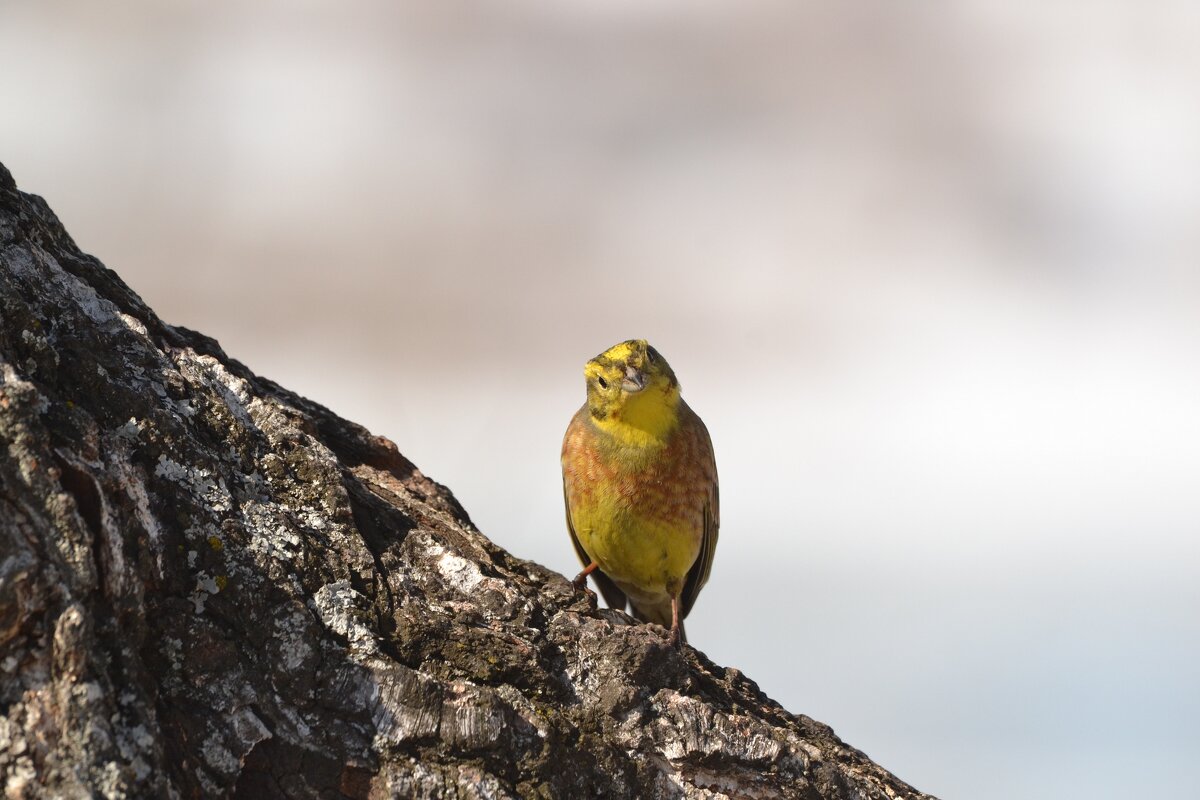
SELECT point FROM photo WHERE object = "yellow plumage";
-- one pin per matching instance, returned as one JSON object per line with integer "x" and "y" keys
{"x": 640, "y": 484}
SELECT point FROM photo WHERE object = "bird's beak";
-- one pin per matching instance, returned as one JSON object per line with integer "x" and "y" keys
{"x": 635, "y": 380}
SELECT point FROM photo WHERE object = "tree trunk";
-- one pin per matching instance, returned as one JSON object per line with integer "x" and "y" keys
{"x": 211, "y": 587}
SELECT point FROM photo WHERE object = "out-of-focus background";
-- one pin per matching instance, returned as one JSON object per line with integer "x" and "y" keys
{"x": 928, "y": 271}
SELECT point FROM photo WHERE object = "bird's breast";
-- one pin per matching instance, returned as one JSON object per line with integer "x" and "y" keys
{"x": 639, "y": 513}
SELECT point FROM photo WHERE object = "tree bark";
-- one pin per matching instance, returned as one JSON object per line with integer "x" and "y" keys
{"x": 212, "y": 587}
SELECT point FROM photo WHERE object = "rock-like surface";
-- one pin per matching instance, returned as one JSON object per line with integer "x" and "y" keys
{"x": 212, "y": 587}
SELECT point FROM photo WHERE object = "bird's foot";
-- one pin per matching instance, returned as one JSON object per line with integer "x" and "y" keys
{"x": 580, "y": 584}
{"x": 675, "y": 639}
{"x": 580, "y": 580}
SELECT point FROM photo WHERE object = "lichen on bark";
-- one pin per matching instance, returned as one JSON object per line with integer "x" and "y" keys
{"x": 212, "y": 587}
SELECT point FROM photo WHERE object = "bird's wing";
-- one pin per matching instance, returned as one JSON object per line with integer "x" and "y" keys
{"x": 612, "y": 595}
{"x": 698, "y": 575}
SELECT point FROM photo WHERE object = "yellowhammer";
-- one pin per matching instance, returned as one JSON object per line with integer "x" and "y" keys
{"x": 640, "y": 484}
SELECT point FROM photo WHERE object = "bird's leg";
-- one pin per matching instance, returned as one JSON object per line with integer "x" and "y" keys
{"x": 676, "y": 637}
{"x": 581, "y": 579}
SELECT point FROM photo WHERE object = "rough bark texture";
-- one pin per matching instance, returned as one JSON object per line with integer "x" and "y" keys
{"x": 211, "y": 587}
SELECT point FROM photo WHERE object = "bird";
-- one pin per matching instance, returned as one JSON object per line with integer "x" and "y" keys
{"x": 640, "y": 487}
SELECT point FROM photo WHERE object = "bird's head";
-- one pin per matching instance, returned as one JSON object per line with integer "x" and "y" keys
{"x": 631, "y": 384}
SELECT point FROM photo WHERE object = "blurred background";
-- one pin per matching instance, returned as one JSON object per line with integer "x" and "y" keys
{"x": 928, "y": 272}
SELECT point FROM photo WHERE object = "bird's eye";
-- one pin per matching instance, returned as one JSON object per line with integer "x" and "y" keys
{"x": 650, "y": 359}
{"x": 603, "y": 383}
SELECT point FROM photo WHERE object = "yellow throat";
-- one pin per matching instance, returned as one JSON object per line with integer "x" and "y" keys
{"x": 633, "y": 395}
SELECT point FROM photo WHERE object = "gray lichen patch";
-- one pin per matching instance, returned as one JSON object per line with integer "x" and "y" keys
{"x": 345, "y": 612}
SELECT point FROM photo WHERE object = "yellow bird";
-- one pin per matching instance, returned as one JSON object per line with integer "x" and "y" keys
{"x": 640, "y": 484}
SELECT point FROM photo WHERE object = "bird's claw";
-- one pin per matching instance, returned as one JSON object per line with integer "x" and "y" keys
{"x": 580, "y": 584}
